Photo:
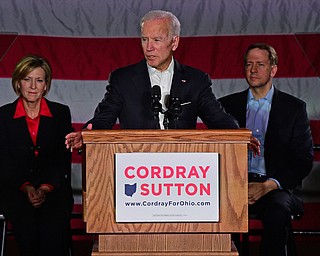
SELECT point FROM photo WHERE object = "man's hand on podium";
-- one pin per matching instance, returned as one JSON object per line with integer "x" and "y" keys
{"x": 74, "y": 139}
{"x": 254, "y": 146}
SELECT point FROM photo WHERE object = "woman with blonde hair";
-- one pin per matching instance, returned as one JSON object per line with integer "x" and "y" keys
{"x": 34, "y": 193}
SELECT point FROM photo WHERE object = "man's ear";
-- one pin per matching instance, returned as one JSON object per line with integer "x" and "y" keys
{"x": 274, "y": 70}
{"x": 175, "y": 42}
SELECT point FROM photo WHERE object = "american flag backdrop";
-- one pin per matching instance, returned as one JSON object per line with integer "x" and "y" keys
{"x": 84, "y": 40}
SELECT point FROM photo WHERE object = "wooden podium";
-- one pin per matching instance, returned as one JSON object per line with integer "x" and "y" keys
{"x": 155, "y": 239}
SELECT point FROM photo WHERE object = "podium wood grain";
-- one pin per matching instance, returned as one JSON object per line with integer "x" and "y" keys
{"x": 155, "y": 238}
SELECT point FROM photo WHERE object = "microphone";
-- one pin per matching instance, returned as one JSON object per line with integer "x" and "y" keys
{"x": 175, "y": 109}
{"x": 156, "y": 106}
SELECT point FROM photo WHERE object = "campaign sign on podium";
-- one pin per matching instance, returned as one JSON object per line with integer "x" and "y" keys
{"x": 125, "y": 229}
{"x": 167, "y": 187}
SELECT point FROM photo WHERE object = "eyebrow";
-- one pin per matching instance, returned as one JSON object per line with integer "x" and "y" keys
{"x": 256, "y": 62}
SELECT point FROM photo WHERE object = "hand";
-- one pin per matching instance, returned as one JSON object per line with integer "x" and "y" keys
{"x": 254, "y": 146}
{"x": 35, "y": 197}
{"x": 258, "y": 189}
{"x": 74, "y": 139}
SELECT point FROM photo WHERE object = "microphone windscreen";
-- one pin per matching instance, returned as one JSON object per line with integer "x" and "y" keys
{"x": 156, "y": 91}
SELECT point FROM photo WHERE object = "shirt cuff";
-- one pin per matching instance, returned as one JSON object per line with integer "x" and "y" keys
{"x": 277, "y": 182}
{"x": 47, "y": 185}
{"x": 23, "y": 186}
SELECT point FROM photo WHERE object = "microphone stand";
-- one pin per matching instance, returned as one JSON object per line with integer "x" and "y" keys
{"x": 156, "y": 106}
{"x": 165, "y": 120}
{"x": 175, "y": 110}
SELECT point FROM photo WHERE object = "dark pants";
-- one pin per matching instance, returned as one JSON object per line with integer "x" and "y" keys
{"x": 44, "y": 231}
{"x": 275, "y": 210}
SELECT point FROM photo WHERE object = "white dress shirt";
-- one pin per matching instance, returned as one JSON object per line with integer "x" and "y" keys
{"x": 164, "y": 80}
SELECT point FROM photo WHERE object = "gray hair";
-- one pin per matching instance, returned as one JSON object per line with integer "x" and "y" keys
{"x": 174, "y": 23}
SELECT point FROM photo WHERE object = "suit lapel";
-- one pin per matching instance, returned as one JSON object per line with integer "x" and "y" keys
{"x": 141, "y": 77}
{"x": 179, "y": 81}
{"x": 274, "y": 117}
{"x": 22, "y": 131}
{"x": 241, "y": 108}
{"x": 44, "y": 130}
{"x": 19, "y": 126}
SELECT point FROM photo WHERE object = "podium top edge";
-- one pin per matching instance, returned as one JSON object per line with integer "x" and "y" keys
{"x": 167, "y": 136}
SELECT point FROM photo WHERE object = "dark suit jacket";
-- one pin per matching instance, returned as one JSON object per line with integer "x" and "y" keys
{"x": 128, "y": 98}
{"x": 17, "y": 159}
{"x": 288, "y": 141}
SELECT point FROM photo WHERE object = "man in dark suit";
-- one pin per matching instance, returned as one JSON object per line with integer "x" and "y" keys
{"x": 129, "y": 93}
{"x": 279, "y": 121}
